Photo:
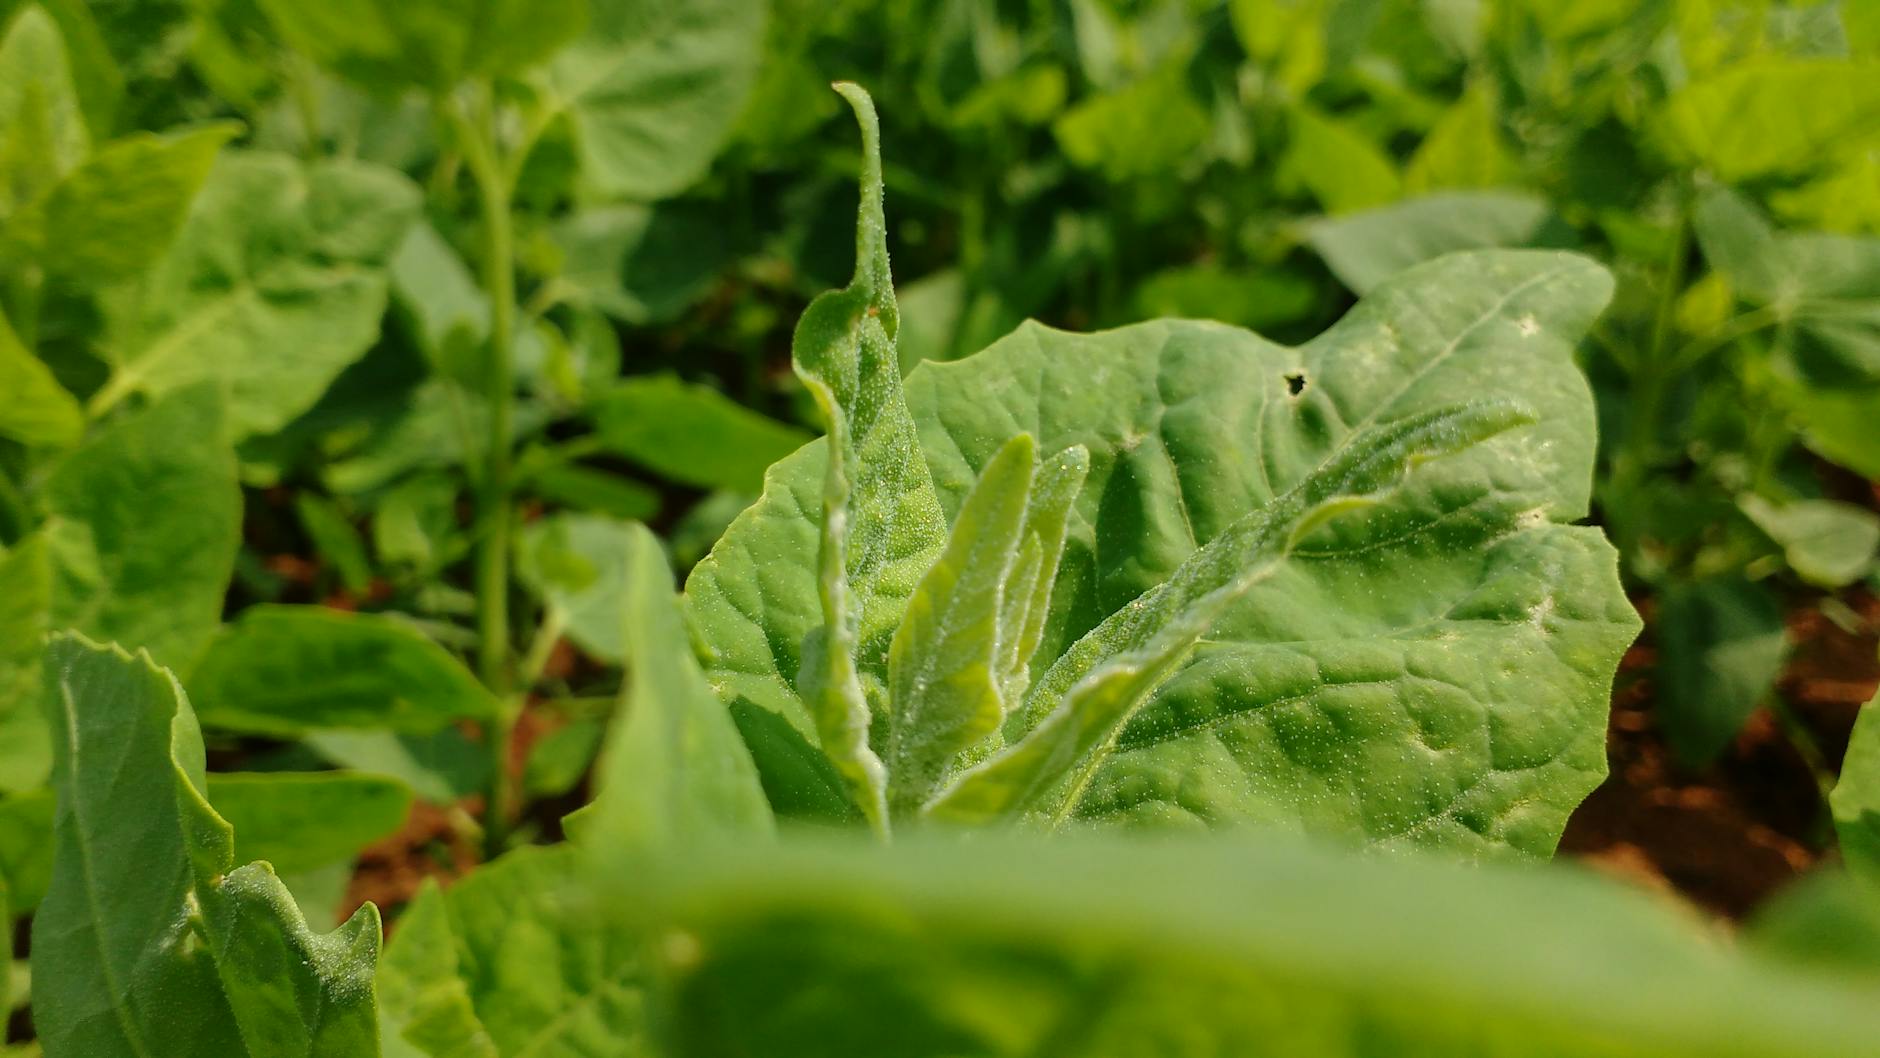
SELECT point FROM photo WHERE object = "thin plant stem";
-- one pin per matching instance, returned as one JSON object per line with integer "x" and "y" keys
{"x": 494, "y": 185}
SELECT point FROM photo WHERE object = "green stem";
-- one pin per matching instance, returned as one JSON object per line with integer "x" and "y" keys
{"x": 494, "y": 501}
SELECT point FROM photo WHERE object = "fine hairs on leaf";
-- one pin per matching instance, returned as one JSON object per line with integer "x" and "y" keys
{"x": 882, "y": 525}
{"x": 1120, "y": 663}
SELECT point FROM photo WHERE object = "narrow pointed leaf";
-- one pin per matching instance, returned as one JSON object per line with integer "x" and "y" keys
{"x": 881, "y": 522}
{"x": 943, "y": 665}
{"x": 1047, "y": 521}
{"x": 674, "y": 770}
{"x": 149, "y": 940}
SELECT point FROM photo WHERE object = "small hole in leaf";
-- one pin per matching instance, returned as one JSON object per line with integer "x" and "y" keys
{"x": 1295, "y": 384}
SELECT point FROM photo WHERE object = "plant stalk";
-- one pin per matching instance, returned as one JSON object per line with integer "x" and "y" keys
{"x": 495, "y": 498}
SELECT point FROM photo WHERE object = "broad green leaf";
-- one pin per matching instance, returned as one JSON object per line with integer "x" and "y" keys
{"x": 25, "y": 611}
{"x": 299, "y": 821}
{"x": 1434, "y": 670}
{"x": 1248, "y": 297}
{"x": 558, "y": 760}
{"x": 1081, "y": 703}
{"x": 585, "y": 488}
{"x": 946, "y": 662}
{"x": 1774, "y": 117}
{"x": 441, "y": 767}
{"x": 42, "y": 130}
{"x": 1336, "y": 164}
{"x": 26, "y": 844}
{"x": 275, "y": 284}
{"x": 429, "y": 44}
{"x": 118, "y": 211}
{"x": 1827, "y": 543}
{"x": 1856, "y": 798}
{"x": 881, "y": 523}
{"x": 1464, "y": 150}
{"x": 1364, "y": 249}
{"x": 37, "y": 410}
{"x": 518, "y": 960}
{"x": 1007, "y": 947}
{"x": 673, "y": 771}
{"x": 1145, "y": 129}
{"x": 96, "y": 78}
{"x": 150, "y": 940}
{"x": 578, "y": 563}
{"x": 287, "y": 670}
{"x": 652, "y": 89}
{"x": 691, "y": 433}
{"x": 1721, "y": 647}
{"x": 145, "y": 523}
{"x": 640, "y": 264}
{"x": 1824, "y": 290}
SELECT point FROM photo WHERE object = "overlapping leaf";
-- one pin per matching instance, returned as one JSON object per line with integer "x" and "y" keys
{"x": 1432, "y": 671}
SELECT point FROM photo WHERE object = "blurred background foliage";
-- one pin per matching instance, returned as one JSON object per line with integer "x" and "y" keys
{"x": 683, "y": 182}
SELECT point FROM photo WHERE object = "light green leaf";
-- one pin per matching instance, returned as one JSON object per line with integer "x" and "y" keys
{"x": 441, "y": 767}
{"x": 150, "y": 940}
{"x": 881, "y": 523}
{"x": 1824, "y": 290}
{"x": 1434, "y": 670}
{"x": 1022, "y": 614}
{"x": 430, "y": 44}
{"x": 25, "y": 613}
{"x": 42, "y": 130}
{"x": 1342, "y": 169}
{"x": 1144, "y": 129}
{"x": 692, "y": 433}
{"x": 1721, "y": 647}
{"x": 1827, "y": 543}
{"x": 518, "y": 960}
{"x": 1249, "y": 297}
{"x": 640, "y": 264}
{"x": 275, "y": 284}
{"x": 652, "y": 90}
{"x": 1828, "y": 919}
{"x": 559, "y": 759}
{"x": 1074, "y": 714}
{"x": 1364, "y": 249}
{"x": 287, "y": 670}
{"x": 37, "y": 411}
{"x": 578, "y": 564}
{"x": 1464, "y": 150}
{"x": 945, "y": 663}
{"x": 145, "y": 523}
{"x": 336, "y": 541}
{"x": 1774, "y": 117}
{"x": 118, "y": 211}
{"x": 1207, "y": 948}
{"x": 673, "y": 771}
{"x": 1856, "y": 798}
{"x": 301, "y": 821}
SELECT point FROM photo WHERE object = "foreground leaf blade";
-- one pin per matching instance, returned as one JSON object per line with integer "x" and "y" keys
{"x": 141, "y": 864}
{"x": 1252, "y": 947}
{"x": 673, "y": 771}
